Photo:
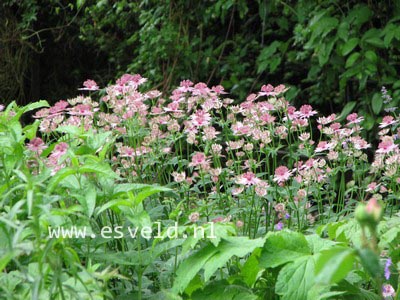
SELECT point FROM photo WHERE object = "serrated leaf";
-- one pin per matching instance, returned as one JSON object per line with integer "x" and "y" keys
{"x": 317, "y": 244}
{"x": 296, "y": 279}
{"x": 282, "y": 247}
{"x": 227, "y": 248}
{"x": 334, "y": 264}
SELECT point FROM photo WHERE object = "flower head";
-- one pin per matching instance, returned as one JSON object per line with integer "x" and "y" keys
{"x": 89, "y": 85}
{"x": 387, "y": 291}
{"x": 248, "y": 178}
{"x": 282, "y": 174}
{"x": 36, "y": 145}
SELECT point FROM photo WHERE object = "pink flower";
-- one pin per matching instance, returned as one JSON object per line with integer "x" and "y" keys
{"x": 200, "y": 118}
{"x": 282, "y": 174}
{"x": 322, "y": 146}
{"x": 199, "y": 159}
{"x": 239, "y": 224}
{"x": 90, "y": 85}
{"x": 386, "y": 145}
{"x": 266, "y": 90}
{"x": 179, "y": 177}
{"x": 219, "y": 89}
{"x": 1, "y": 107}
{"x": 200, "y": 89}
{"x": 306, "y": 111}
{"x": 388, "y": 291}
{"x": 194, "y": 217}
{"x": 387, "y": 121}
{"x": 354, "y": 119}
{"x": 173, "y": 107}
{"x": 237, "y": 191}
{"x": 372, "y": 187}
{"x": 59, "y": 150}
{"x": 36, "y": 145}
{"x": 248, "y": 178}
{"x": 222, "y": 219}
{"x": 82, "y": 110}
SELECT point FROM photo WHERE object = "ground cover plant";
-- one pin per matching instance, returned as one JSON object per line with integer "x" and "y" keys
{"x": 122, "y": 193}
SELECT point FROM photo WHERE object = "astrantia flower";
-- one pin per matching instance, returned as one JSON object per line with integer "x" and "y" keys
{"x": 179, "y": 177}
{"x": 386, "y": 145}
{"x": 194, "y": 217}
{"x": 249, "y": 178}
{"x": 372, "y": 187}
{"x": 219, "y": 89}
{"x": 1, "y": 107}
{"x": 387, "y": 121}
{"x": 322, "y": 146}
{"x": 59, "y": 150}
{"x": 200, "y": 118}
{"x": 354, "y": 119}
{"x": 36, "y": 145}
{"x": 237, "y": 191}
{"x": 388, "y": 291}
{"x": 90, "y": 85}
{"x": 282, "y": 174}
{"x": 307, "y": 111}
{"x": 199, "y": 159}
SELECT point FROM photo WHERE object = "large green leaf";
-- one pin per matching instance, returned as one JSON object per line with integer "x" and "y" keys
{"x": 211, "y": 258}
{"x": 190, "y": 267}
{"x": 296, "y": 279}
{"x": 282, "y": 247}
{"x": 227, "y": 248}
{"x": 334, "y": 264}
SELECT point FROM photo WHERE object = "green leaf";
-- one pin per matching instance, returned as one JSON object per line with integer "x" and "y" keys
{"x": 148, "y": 191}
{"x": 114, "y": 203}
{"x": 5, "y": 259}
{"x": 296, "y": 279}
{"x": 223, "y": 290}
{"x": 347, "y": 110}
{"x": 99, "y": 168}
{"x": 251, "y": 269}
{"x": 334, "y": 264}
{"x": 349, "y": 46}
{"x": 58, "y": 177}
{"x": 227, "y": 248}
{"x": 317, "y": 244}
{"x": 79, "y": 3}
{"x": 376, "y": 103}
{"x": 190, "y": 267}
{"x": 370, "y": 262}
{"x": 282, "y": 247}
{"x": 352, "y": 59}
{"x": 90, "y": 201}
{"x": 371, "y": 56}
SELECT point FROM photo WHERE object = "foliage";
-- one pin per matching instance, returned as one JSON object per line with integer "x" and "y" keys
{"x": 126, "y": 194}
{"x": 331, "y": 54}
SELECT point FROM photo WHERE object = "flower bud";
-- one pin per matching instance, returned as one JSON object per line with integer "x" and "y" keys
{"x": 370, "y": 214}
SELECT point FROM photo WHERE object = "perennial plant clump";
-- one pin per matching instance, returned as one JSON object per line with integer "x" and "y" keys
{"x": 262, "y": 171}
